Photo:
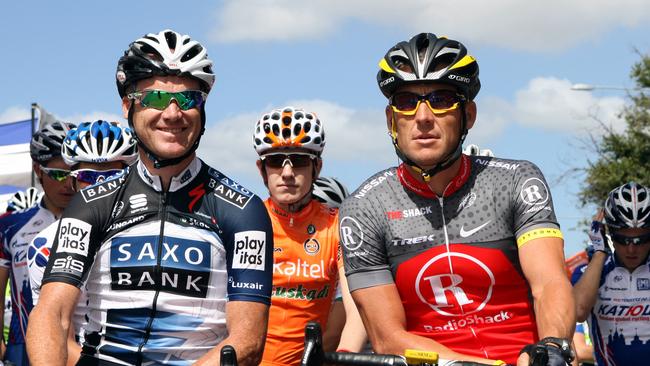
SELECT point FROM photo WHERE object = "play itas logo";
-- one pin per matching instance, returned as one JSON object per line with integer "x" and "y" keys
{"x": 74, "y": 237}
{"x": 179, "y": 266}
{"x": 249, "y": 250}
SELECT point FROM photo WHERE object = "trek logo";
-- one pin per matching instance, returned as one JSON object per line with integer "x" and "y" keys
{"x": 497, "y": 164}
{"x": 177, "y": 265}
{"x": 102, "y": 190}
{"x": 411, "y": 212}
{"x": 534, "y": 192}
{"x": 138, "y": 202}
{"x": 349, "y": 227}
{"x": 229, "y": 190}
{"x": 249, "y": 250}
{"x": 444, "y": 291}
{"x": 373, "y": 183}
{"x": 73, "y": 236}
{"x": 68, "y": 265}
{"x": 416, "y": 240}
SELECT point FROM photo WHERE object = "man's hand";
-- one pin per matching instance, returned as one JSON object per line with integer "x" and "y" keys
{"x": 597, "y": 237}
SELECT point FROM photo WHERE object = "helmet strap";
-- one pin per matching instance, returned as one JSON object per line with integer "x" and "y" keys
{"x": 450, "y": 159}
{"x": 157, "y": 161}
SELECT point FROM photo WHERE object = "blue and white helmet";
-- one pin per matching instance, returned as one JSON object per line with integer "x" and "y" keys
{"x": 99, "y": 142}
{"x": 628, "y": 206}
{"x": 22, "y": 200}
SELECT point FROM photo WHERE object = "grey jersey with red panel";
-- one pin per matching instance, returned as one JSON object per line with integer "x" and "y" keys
{"x": 454, "y": 259}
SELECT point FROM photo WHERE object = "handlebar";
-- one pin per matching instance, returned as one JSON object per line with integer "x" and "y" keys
{"x": 315, "y": 356}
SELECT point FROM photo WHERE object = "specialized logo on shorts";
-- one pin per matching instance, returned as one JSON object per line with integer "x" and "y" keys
{"x": 534, "y": 192}
{"x": 311, "y": 246}
{"x": 443, "y": 290}
{"x": 73, "y": 236}
{"x": 102, "y": 190}
{"x": 184, "y": 265}
{"x": 349, "y": 227}
{"x": 229, "y": 190}
{"x": 249, "y": 250}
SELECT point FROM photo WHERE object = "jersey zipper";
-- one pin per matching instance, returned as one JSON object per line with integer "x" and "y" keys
{"x": 157, "y": 275}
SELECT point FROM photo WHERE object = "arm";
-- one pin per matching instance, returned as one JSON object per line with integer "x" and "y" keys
{"x": 584, "y": 352}
{"x": 381, "y": 309}
{"x": 247, "y": 323}
{"x": 585, "y": 290}
{"x": 542, "y": 261}
{"x": 74, "y": 349}
{"x": 353, "y": 336}
{"x": 49, "y": 324}
{"x": 335, "y": 323}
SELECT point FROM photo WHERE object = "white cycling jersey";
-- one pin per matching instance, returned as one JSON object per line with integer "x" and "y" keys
{"x": 619, "y": 322}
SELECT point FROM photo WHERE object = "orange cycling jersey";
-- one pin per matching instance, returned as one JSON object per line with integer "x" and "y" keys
{"x": 305, "y": 273}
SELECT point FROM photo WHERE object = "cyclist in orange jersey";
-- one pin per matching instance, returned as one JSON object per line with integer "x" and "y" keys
{"x": 305, "y": 231}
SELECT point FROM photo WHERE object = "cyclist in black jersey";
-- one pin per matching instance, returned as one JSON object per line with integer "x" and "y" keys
{"x": 450, "y": 253}
{"x": 175, "y": 257}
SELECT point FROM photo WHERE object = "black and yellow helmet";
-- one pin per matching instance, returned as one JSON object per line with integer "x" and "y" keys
{"x": 424, "y": 58}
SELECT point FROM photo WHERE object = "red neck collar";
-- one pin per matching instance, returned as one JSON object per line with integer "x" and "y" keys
{"x": 412, "y": 183}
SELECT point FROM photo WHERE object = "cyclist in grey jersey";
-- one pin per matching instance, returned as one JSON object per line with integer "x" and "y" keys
{"x": 446, "y": 252}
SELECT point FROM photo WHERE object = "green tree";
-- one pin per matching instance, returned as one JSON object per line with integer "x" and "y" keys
{"x": 622, "y": 156}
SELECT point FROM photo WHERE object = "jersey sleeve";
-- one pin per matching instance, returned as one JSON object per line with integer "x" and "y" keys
{"x": 534, "y": 215}
{"x": 577, "y": 273}
{"x": 75, "y": 242}
{"x": 249, "y": 252}
{"x": 363, "y": 245}
{"x": 5, "y": 254}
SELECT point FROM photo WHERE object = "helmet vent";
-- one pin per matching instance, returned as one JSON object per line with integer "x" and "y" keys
{"x": 276, "y": 130}
{"x": 286, "y": 133}
{"x": 305, "y": 140}
{"x": 286, "y": 120}
{"x": 402, "y": 64}
{"x": 307, "y": 127}
{"x": 170, "y": 37}
{"x": 192, "y": 52}
{"x": 296, "y": 129}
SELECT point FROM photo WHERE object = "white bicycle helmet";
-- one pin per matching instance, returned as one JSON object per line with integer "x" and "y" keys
{"x": 46, "y": 142}
{"x": 289, "y": 127}
{"x": 99, "y": 142}
{"x": 473, "y": 149}
{"x": 166, "y": 53}
{"x": 329, "y": 191}
{"x": 22, "y": 200}
{"x": 628, "y": 206}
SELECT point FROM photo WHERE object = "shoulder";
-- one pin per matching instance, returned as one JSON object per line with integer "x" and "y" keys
{"x": 503, "y": 167}
{"x": 228, "y": 190}
{"x": 375, "y": 183}
{"x": 12, "y": 222}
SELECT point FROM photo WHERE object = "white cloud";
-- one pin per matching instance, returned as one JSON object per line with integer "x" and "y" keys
{"x": 524, "y": 25}
{"x": 13, "y": 114}
{"x": 351, "y": 136}
{"x": 549, "y": 103}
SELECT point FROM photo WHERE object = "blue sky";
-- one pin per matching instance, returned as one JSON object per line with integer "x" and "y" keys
{"x": 322, "y": 55}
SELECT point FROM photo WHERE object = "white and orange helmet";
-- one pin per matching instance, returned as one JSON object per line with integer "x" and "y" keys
{"x": 289, "y": 127}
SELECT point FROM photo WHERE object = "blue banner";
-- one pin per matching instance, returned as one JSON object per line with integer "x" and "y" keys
{"x": 15, "y": 133}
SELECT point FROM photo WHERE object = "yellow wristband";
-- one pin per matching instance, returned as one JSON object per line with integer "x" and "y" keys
{"x": 498, "y": 363}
